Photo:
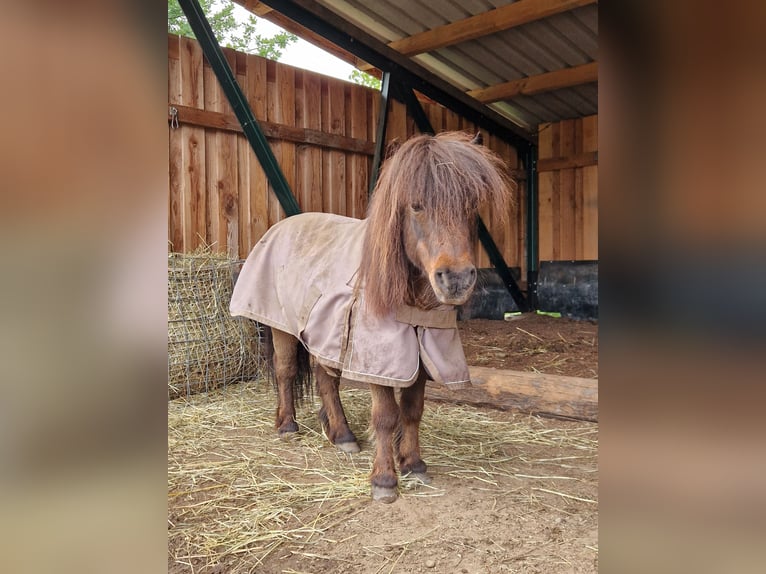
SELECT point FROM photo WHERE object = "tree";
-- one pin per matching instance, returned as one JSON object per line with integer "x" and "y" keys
{"x": 229, "y": 32}
{"x": 364, "y": 79}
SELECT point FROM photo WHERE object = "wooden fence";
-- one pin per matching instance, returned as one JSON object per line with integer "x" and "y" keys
{"x": 322, "y": 131}
{"x": 568, "y": 189}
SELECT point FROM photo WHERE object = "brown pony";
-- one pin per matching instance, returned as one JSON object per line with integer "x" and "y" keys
{"x": 416, "y": 250}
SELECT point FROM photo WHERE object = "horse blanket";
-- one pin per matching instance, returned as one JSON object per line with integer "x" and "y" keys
{"x": 302, "y": 278}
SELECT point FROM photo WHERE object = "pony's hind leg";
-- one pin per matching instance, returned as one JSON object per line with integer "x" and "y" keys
{"x": 285, "y": 371}
{"x": 385, "y": 419}
{"x": 408, "y": 440}
{"x": 331, "y": 414}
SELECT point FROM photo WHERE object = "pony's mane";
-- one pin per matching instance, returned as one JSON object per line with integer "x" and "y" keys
{"x": 450, "y": 178}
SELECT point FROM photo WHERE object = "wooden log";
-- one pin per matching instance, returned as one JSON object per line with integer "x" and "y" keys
{"x": 541, "y": 394}
{"x": 534, "y": 393}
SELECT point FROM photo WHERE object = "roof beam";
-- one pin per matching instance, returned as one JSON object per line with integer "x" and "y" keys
{"x": 346, "y": 35}
{"x": 528, "y": 86}
{"x": 497, "y": 20}
{"x": 267, "y": 12}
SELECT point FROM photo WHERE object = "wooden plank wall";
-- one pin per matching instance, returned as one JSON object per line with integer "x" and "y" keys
{"x": 322, "y": 132}
{"x": 568, "y": 189}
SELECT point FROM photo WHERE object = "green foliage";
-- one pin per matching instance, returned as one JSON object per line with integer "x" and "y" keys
{"x": 364, "y": 79}
{"x": 237, "y": 35}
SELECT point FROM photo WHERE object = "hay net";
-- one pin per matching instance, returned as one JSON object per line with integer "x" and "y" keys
{"x": 207, "y": 347}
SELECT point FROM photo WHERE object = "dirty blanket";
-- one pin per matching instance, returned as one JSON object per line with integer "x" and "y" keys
{"x": 301, "y": 278}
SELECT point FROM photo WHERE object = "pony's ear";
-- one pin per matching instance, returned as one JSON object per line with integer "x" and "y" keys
{"x": 392, "y": 147}
{"x": 478, "y": 139}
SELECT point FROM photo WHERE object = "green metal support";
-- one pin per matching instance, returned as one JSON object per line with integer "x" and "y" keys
{"x": 380, "y": 137}
{"x": 533, "y": 229}
{"x": 238, "y": 101}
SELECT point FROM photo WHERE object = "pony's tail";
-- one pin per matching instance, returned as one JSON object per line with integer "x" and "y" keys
{"x": 303, "y": 382}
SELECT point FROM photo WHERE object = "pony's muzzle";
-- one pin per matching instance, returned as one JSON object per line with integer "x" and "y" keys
{"x": 454, "y": 285}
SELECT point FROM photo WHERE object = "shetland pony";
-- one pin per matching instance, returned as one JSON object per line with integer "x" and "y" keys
{"x": 330, "y": 287}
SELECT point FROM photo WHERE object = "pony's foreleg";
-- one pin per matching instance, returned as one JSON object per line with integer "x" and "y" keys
{"x": 331, "y": 414}
{"x": 385, "y": 419}
{"x": 285, "y": 371}
{"x": 408, "y": 444}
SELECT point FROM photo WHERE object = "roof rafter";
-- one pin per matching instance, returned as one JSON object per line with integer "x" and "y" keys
{"x": 503, "y": 18}
{"x": 262, "y": 10}
{"x": 530, "y": 85}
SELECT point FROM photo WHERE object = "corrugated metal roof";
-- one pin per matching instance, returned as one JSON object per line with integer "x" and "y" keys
{"x": 553, "y": 43}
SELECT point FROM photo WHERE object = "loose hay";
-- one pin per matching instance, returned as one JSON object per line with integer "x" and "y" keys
{"x": 206, "y": 346}
{"x": 237, "y": 492}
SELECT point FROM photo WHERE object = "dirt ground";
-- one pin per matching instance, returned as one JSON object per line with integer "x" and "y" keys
{"x": 510, "y": 492}
{"x": 533, "y": 342}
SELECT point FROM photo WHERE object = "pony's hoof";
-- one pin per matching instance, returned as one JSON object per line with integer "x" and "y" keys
{"x": 348, "y": 447}
{"x": 383, "y": 494}
{"x": 288, "y": 430}
{"x": 419, "y": 476}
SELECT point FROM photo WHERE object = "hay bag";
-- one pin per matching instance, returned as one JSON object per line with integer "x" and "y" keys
{"x": 207, "y": 347}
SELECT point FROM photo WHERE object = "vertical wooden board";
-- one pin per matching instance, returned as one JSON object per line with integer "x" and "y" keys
{"x": 545, "y": 216}
{"x": 435, "y": 114}
{"x": 308, "y": 157}
{"x": 590, "y": 190}
{"x": 302, "y": 191}
{"x": 590, "y": 212}
{"x": 578, "y": 214}
{"x": 313, "y": 154}
{"x": 175, "y": 154}
{"x": 256, "y": 85}
{"x": 567, "y": 240}
{"x": 451, "y": 121}
{"x": 412, "y": 129}
{"x": 545, "y": 195}
{"x": 285, "y": 85}
{"x": 256, "y": 90}
{"x": 358, "y": 179}
{"x": 590, "y": 133}
{"x": 397, "y": 122}
{"x": 281, "y": 110}
{"x": 215, "y": 234}
{"x": 244, "y": 207}
{"x": 243, "y": 239}
{"x": 228, "y": 189}
{"x": 194, "y": 203}
{"x": 333, "y": 162}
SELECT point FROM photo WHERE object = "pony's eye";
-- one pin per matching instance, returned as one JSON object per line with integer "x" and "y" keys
{"x": 416, "y": 207}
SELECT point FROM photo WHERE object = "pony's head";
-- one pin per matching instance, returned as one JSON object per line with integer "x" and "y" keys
{"x": 421, "y": 233}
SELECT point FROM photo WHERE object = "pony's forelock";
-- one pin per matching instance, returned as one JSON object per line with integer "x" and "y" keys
{"x": 447, "y": 176}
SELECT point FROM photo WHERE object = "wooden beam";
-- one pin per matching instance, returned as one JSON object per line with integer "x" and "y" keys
{"x": 217, "y": 120}
{"x": 535, "y": 393}
{"x": 496, "y": 20}
{"x": 580, "y": 160}
{"x": 268, "y": 13}
{"x": 255, "y": 6}
{"x": 564, "y": 78}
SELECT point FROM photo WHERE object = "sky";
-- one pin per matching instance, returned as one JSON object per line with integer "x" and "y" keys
{"x": 301, "y": 54}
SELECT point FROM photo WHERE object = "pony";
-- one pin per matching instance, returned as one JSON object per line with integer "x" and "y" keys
{"x": 373, "y": 300}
